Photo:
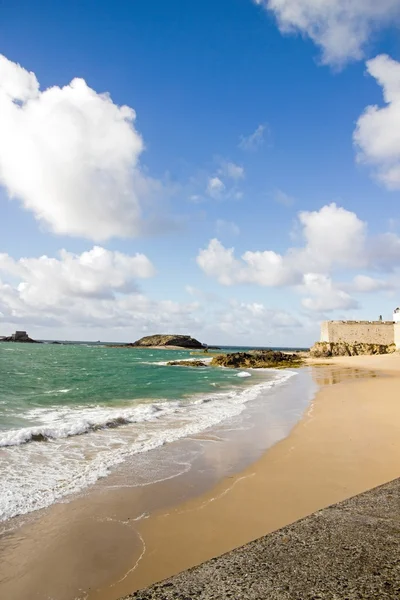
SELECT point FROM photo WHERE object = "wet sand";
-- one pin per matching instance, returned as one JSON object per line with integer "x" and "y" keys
{"x": 347, "y": 442}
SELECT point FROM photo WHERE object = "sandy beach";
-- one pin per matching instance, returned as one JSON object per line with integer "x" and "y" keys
{"x": 347, "y": 442}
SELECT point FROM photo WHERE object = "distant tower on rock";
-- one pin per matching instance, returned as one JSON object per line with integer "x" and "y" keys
{"x": 396, "y": 315}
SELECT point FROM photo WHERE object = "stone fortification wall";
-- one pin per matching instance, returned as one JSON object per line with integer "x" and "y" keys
{"x": 365, "y": 332}
{"x": 397, "y": 335}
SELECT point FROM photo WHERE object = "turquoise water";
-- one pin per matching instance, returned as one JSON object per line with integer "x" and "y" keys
{"x": 69, "y": 414}
{"x": 46, "y": 375}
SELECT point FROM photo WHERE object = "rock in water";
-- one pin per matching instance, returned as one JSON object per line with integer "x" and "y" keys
{"x": 186, "y": 363}
{"x": 261, "y": 359}
{"x": 183, "y": 341}
{"x": 328, "y": 349}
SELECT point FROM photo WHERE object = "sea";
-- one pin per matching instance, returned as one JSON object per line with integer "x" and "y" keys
{"x": 71, "y": 413}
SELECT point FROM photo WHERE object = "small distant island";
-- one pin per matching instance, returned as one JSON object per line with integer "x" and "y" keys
{"x": 19, "y": 336}
{"x": 165, "y": 341}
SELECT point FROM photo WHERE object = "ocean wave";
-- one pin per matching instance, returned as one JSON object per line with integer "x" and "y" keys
{"x": 83, "y": 424}
{"x": 243, "y": 374}
{"x": 70, "y": 461}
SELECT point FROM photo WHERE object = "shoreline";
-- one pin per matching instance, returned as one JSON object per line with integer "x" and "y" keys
{"x": 347, "y": 442}
{"x": 90, "y": 538}
{"x": 344, "y": 444}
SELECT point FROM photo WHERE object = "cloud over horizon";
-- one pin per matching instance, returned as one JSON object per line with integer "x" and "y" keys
{"x": 335, "y": 241}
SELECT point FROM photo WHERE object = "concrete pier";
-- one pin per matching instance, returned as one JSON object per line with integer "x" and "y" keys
{"x": 349, "y": 551}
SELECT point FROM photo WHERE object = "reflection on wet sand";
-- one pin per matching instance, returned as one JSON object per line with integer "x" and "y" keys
{"x": 331, "y": 375}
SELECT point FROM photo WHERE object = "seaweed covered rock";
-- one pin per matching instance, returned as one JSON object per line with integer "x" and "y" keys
{"x": 260, "y": 359}
{"x": 328, "y": 349}
{"x": 182, "y": 341}
{"x": 186, "y": 363}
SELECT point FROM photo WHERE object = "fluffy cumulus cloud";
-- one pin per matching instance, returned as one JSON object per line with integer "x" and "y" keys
{"x": 95, "y": 295}
{"x": 377, "y": 135}
{"x": 334, "y": 237}
{"x": 341, "y": 28}
{"x": 71, "y": 156}
{"x": 334, "y": 241}
{"x": 97, "y": 273}
{"x": 95, "y": 289}
{"x": 263, "y": 268}
{"x": 322, "y": 295}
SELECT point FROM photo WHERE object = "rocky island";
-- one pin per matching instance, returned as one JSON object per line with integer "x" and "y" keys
{"x": 19, "y": 336}
{"x": 164, "y": 341}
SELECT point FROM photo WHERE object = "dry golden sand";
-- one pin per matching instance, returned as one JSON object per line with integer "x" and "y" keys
{"x": 348, "y": 442}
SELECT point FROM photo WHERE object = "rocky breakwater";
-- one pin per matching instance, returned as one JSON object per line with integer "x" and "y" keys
{"x": 329, "y": 349}
{"x": 258, "y": 359}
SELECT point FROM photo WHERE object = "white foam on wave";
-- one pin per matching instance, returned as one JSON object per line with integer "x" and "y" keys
{"x": 69, "y": 461}
{"x": 243, "y": 374}
{"x": 64, "y": 422}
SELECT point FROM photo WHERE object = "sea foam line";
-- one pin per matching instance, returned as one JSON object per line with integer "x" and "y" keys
{"x": 63, "y": 469}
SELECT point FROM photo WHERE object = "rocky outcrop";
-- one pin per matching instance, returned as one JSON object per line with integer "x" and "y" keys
{"x": 328, "y": 349}
{"x": 261, "y": 359}
{"x": 20, "y": 337}
{"x": 187, "y": 363}
{"x": 182, "y": 341}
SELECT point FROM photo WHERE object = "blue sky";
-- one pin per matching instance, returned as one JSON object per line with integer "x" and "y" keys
{"x": 248, "y": 128}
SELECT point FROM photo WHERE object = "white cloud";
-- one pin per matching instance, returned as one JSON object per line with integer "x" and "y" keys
{"x": 97, "y": 273}
{"x": 366, "y": 284}
{"x": 215, "y": 188}
{"x": 71, "y": 156}
{"x": 324, "y": 296}
{"x": 342, "y": 28}
{"x": 223, "y": 227}
{"x": 377, "y": 135}
{"x": 335, "y": 241}
{"x": 334, "y": 238}
{"x": 263, "y": 268}
{"x": 253, "y": 320}
{"x": 231, "y": 170}
{"x": 254, "y": 140}
{"x": 95, "y": 289}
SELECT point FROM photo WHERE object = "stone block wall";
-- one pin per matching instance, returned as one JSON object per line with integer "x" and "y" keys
{"x": 397, "y": 335}
{"x": 367, "y": 332}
